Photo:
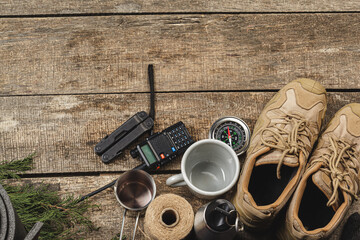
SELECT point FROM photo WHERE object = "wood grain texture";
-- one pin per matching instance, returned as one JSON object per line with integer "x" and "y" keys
{"x": 63, "y": 129}
{"x": 17, "y": 7}
{"x": 108, "y": 215}
{"x": 190, "y": 52}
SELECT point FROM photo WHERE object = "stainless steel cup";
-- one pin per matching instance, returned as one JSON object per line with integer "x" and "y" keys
{"x": 134, "y": 190}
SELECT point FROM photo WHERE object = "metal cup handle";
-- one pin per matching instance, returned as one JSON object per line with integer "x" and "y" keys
{"x": 136, "y": 224}
{"x": 123, "y": 223}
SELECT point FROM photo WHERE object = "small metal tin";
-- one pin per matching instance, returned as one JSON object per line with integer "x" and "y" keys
{"x": 210, "y": 226}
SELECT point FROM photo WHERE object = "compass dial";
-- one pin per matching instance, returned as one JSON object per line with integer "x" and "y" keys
{"x": 232, "y": 131}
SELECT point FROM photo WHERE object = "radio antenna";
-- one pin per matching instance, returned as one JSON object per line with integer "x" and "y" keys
{"x": 152, "y": 91}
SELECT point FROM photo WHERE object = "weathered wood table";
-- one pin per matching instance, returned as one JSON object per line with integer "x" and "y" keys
{"x": 73, "y": 71}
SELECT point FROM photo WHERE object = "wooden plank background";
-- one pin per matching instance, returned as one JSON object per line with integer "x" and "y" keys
{"x": 33, "y": 7}
{"x": 109, "y": 54}
{"x": 73, "y": 71}
{"x": 64, "y": 128}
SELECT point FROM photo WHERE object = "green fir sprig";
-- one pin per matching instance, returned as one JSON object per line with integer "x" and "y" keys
{"x": 63, "y": 218}
{"x": 11, "y": 169}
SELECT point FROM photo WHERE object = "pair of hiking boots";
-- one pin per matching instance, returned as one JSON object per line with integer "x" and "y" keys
{"x": 277, "y": 166}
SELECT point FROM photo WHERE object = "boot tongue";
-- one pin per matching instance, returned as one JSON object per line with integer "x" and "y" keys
{"x": 323, "y": 182}
{"x": 274, "y": 156}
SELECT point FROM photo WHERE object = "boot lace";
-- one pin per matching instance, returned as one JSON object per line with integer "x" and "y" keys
{"x": 337, "y": 162}
{"x": 291, "y": 142}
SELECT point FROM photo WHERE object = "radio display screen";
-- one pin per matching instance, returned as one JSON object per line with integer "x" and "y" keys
{"x": 148, "y": 153}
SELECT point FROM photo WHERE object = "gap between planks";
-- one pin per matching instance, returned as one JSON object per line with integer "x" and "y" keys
{"x": 170, "y": 13}
{"x": 335, "y": 90}
{"x": 90, "y": 174}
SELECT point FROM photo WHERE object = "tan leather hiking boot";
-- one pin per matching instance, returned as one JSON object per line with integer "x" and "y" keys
{"x": 281, "y": 142}
{"x": 330, "y": 182}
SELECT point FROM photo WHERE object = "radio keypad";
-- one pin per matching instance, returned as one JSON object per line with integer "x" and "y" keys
{"x": 179, "y": 137}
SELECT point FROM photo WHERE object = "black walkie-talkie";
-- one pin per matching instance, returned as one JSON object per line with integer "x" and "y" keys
{"x": 164, "y": 146}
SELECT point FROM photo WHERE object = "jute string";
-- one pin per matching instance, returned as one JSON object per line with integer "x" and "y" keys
{"x": 168, "y": 216}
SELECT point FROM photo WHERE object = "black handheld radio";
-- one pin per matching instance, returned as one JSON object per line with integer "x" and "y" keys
{"x": 164, "y": 146}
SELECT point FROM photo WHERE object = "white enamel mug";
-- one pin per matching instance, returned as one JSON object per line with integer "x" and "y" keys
{"x": 209, "y": 168}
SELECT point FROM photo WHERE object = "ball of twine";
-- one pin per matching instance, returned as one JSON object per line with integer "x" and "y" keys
{"x": 169, "y": 216}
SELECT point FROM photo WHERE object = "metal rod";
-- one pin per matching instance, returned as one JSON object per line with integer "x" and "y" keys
{"x": 122, "y": 224}
{"x": 136, "y": 224}
{"x": 140, "y": 167}
{"x": 220, "y": 210}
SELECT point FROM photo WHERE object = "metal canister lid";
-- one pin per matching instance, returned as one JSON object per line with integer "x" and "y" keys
{"x": 215, "y": 217}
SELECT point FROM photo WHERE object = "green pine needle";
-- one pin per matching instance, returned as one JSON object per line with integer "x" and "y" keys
{"x": 63, "y": 217}
{"x": 11, "y": 169}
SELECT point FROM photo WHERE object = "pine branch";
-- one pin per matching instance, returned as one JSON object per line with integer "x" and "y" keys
{"x": 11, "y": 169}
{"x": 63, "y": 217}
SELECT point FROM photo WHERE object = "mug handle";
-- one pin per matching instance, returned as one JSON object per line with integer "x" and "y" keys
{"x": 176, "y": 181}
